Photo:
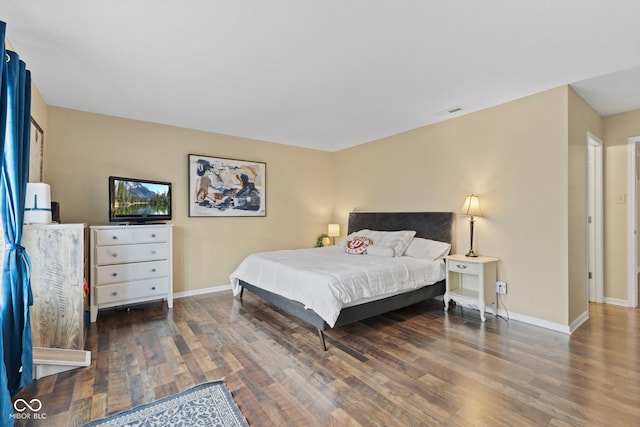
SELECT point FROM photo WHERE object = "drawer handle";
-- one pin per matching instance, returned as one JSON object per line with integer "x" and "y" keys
{"x": 153, "y": 270}
{"x": 153, "y": 288}
{"x": 153, "y": 252}
{"x": 114, "y": 274}
{"x": 114, "y": 293}
{"x": 115, "y": 237}
{"x": 461, "y": 266}
{"x": 115, "y": 255}
{"x": 153, "y": 235}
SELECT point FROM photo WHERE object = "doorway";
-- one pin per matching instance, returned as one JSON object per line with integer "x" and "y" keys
{"x": 632, "y": 219}
{"x": 595, "y": 221}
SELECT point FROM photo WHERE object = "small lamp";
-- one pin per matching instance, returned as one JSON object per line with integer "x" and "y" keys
{"x": 471, "y": 207}
{"x": 334, "y": 230}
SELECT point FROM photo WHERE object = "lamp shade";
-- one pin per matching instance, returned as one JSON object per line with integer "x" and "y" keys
{"x": 471, "y": 206}
{"x": 334, "y": 230}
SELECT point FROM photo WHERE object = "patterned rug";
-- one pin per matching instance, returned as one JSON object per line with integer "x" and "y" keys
{"x": 208, "y": 404}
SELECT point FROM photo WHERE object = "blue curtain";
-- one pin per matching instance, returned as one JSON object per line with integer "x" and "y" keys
{"x": 15, "y": 292}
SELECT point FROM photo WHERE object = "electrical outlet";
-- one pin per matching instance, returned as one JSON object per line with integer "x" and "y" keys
{"x": 501, "y": 287}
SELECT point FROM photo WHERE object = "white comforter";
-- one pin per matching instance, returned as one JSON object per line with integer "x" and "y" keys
{"x": 327, "y": 279}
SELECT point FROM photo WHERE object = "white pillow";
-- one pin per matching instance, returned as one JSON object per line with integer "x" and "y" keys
{"x": 381, "y": 251}
{"x": 397, "y": 240}
{"x": 427, "y": 249}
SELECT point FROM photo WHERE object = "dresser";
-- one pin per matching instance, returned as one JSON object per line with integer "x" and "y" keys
{"x": 130, "y": 264}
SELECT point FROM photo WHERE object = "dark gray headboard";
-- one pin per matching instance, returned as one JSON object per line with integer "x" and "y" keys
{"x": 428, "y": 225}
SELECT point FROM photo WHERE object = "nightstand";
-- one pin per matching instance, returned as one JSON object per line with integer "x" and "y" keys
{"x": 472, "y": 281}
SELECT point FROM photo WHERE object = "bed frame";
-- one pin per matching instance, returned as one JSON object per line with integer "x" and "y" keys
{"x": 429, "y": 225}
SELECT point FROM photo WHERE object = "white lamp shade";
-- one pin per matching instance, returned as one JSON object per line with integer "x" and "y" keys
{"x": 334, "y": 230}
{"x": 471, "y": 206}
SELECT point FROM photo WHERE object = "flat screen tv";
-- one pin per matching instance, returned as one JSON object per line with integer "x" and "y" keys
{"x": 139, "y": 200}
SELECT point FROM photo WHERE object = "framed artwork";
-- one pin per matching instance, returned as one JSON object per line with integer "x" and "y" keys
{"x": 226, "y": 187}
{"x": 36, "y": 152}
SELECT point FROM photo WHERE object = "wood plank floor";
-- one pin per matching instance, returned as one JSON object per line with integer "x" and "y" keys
{"x": 413, "y": 367}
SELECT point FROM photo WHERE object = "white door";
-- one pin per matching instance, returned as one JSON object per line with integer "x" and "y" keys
{"x": 595, "y": 220}
{"x": 632, "y": 222}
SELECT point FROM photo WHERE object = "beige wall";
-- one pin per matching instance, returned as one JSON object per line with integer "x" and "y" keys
{"x": 526, "y": 159}
{"x": 83, "y": 149}
{"x": 515, "y": 157}
{"x": 582, "y": 119}
{"x": 618, "y": 129}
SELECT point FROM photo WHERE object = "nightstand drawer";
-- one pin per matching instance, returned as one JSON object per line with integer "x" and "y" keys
{"x": 464, "y": 267}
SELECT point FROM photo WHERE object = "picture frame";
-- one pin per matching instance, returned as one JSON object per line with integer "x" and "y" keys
{"x": 36, "y": 152}
{"x": 222, "y": 187}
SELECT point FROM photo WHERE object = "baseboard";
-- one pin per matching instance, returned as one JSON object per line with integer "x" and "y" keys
{"x": 51, "y": 361}
{"x": 526, "y": 319}
{"x": 578, "y": 322}
{"x": 210, "y": 290}
{"x": 535, "y": 321}
{"x": 615, "y": 301}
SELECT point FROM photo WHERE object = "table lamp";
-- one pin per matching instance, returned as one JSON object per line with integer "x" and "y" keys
{"x": 334, "y": 230}
{"x": 471, "y": 207}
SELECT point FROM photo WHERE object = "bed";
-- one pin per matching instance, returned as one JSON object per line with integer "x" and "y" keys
{"x": 434, "y": 226}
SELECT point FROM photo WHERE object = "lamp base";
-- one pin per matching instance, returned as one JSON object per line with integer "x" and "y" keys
{"x": 471, "y": 253}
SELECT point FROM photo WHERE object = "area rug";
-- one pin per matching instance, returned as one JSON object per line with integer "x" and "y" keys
{"x": 208, "y": 404}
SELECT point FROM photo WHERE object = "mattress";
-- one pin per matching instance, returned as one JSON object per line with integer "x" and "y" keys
{"x": 327, "y": 279}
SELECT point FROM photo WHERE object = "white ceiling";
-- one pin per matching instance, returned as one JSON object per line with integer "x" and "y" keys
{"x": 326, "y": 74}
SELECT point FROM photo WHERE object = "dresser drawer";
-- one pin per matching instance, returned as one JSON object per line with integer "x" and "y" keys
{"x": 127, "y": 236}
{"x": 106, "y": 255}
{"x": 464, "y": 267}
{"x": 130, "y": 291}
{"x": 126, "y": 272}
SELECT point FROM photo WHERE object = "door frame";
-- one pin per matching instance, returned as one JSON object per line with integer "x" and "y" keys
{"x": 632, "y": 221}
{"x": 595, "y": 227}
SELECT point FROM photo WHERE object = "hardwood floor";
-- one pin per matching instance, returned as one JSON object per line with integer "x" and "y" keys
{"x": 413, "y": 367}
